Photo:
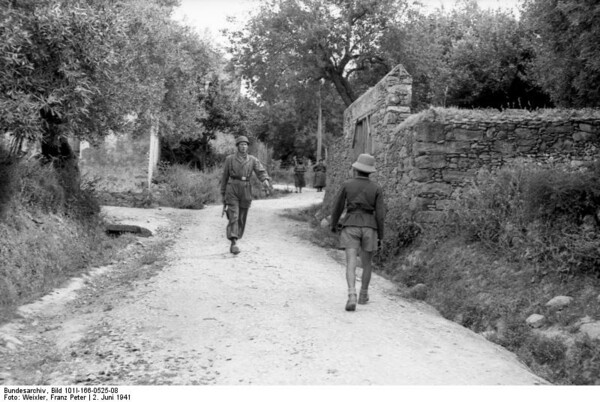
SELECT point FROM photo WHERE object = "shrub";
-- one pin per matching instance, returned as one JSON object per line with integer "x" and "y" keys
{"x": 555, "y": 194}
{"x": 188, "y": 188}
{"x": 47, "y": 234}
{"x": 582, "y": 366}
{"x": 39, "y": 187}
{"x": 401, "y": 229}
{"x": 537, "y": 215}
{"x": 489, "y": 210}
{"x": 546, "y": 351}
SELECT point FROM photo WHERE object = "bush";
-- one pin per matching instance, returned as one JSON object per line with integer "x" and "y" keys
{"x": 582, "y": 366}
{"x": 538, "y": 215}
{"x": 555, "y": 194}
{"x": 188, "y": 188}
{"x": 47, "y": 234}
{"x": 489, "y": 210}
{"x": 401, "y": 229}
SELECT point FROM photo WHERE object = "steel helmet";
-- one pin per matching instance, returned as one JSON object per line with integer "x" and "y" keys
{"x": 241, "y": 138}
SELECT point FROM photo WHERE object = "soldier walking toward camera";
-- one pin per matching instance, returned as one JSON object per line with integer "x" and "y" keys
{"x": 362, "y": 227}
{"x": 237, "y": 191}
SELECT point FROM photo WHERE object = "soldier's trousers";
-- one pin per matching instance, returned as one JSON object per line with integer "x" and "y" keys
{"x": 237, "y": 221}
{"x": 238, "y": 197}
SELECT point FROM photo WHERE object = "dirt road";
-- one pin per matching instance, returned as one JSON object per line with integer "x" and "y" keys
{"x": 272, "y": 315}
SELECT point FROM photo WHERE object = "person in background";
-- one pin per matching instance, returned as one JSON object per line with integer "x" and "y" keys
{"x": 237, "y": 191}
{"x": 299, "y": 171}
{"x": 320, "y": 175}
{"x": 362, "y": 227}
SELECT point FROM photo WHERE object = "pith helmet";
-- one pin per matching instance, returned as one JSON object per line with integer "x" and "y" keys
{"x": 241, "y": 138}
{"x": 365, "y": 163}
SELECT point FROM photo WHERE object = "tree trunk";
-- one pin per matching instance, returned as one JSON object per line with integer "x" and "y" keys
{"x": 57, "y": 150}
{"x": 343, "y": 88}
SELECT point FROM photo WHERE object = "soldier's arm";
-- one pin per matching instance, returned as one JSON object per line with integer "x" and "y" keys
{"x": 260, "y": 170}
{"x": 225, "y": 177}
{"x": 338, "y": 208}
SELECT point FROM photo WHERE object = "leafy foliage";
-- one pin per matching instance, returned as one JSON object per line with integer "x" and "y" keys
{"x": 467, "y": 57}
{"x": 567, "y": 58}
{"x": 546, "y": 217}
{"x": 296, "y": 41}
{"x": 188, "y": 189}
{"x": 57, "y": 62}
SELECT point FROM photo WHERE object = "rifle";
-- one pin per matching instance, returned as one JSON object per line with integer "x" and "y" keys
{"x": 224, "y": 210}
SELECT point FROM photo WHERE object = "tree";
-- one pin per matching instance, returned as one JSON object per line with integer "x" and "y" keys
{"x": 56, "y": 71}
{"x": 79, "y": 68}
{"x": 565, "y": 36}
{"x": 489, "y": 60}
{"x": 467, "y": 56}
{"x": 297, "y": 41}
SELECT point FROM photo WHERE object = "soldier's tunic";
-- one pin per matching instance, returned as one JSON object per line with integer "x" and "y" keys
{"x": 237, "y": 191}
{"x": 363, "y": 200}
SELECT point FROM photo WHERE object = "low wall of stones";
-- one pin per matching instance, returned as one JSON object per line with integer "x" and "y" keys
{"x": 430, "y": 156}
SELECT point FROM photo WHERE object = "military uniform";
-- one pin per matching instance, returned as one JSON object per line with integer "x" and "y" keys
{"x": 363, "y": 200}
{"x": 362, "y": 227}
{"x": 237, "y": 191}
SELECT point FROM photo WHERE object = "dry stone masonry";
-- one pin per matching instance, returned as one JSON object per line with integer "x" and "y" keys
{"x": 427, "y": 158}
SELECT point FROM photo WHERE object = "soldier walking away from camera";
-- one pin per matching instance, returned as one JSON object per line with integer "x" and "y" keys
{"x": 320, "y": 175}
{"x": 299, "y": 171}
{"x": 237, "y": 191}
{"x": 362, "y": 227}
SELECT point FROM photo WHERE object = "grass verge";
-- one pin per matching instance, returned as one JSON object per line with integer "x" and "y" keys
{"x": 47, "y": 234}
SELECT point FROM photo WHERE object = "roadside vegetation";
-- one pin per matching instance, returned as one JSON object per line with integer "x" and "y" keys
{"x": 47, "y": 234}
{"x": 180, "y": 186}
{"x": 82, "y": 70}
{"x": 515, "y": 240}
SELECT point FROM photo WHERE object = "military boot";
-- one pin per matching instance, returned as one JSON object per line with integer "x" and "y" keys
{"x": 234, "y": 249}
{"x": 363, "y": 297}
{"x": 351, "y": 304}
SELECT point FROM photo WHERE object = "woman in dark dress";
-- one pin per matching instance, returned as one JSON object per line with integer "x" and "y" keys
{"x": 299, "y": 171}
{"x": 320, "y": 174}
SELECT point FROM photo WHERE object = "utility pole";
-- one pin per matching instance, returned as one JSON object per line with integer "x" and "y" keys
{"x": 320, "y": 126}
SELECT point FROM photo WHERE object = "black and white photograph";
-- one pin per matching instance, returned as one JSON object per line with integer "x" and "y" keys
{"x": 275, "y": 200}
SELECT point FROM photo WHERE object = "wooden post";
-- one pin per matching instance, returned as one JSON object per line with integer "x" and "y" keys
{"x": 320, "y": 126}
{"x": 153, "y": 153}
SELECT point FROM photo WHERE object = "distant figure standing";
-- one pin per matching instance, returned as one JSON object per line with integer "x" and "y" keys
{"x": 362, "y": 227}
{"x": 299, "y": 171}
{"x": 320, "y": 175}
{"x": 237, "y": 191}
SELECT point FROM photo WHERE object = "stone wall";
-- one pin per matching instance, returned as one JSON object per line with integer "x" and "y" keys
{"x": 428, "y": 157}
{"x": 383, "y": 107}
{"x": 432, "y": 155}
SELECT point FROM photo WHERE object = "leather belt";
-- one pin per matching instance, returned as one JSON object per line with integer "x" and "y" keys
{"x": 361, "y": 211}
{"x": 240, "y": 178}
